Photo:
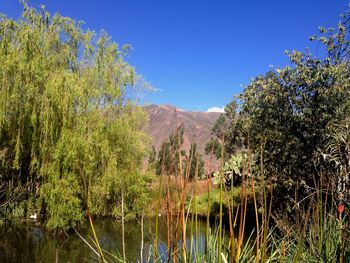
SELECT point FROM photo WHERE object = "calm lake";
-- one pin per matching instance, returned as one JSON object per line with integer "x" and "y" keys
{"x": 25, "y": 242}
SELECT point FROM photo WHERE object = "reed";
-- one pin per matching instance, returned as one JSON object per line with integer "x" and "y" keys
{"x": 207, "y": 229}
{"x": 319, "y": 234}
{"x": 196, "y": 208}
{"x": 123, "y": 228}
{"x": 220, "y": 213}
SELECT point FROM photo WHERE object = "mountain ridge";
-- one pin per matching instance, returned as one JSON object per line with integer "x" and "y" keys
{"x": 164, "y": 120}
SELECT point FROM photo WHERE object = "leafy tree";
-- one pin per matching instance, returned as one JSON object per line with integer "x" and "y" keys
{"x": 213, "y": 147}
{"x": 196, "y": 160}
{"x": 219, "y": 130}
{"x": 225, "y": 130}
{"x": 220, "y": 127}
{"x": 152, "y": 156}
{"x": 67, "y": 127}
{"x": 168, "y": 158}
{"x": 285, "y": 115}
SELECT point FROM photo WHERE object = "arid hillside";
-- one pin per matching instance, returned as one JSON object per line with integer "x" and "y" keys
{"x": 165, "y": 118}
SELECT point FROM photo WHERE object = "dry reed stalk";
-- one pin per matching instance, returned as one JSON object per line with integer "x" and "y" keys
{"x": 156, "y": 238}
{"x": 93, "y": 231}
{"x": 155, "y": 241}
{"x": 180, "y": 220}
{"x": 250, "y": 172}
{"x": 141, "y": 247}
{"x": 231, "y": 233}
{"x": 123, "y": 227}
{"x": 207, "y": 232}
{"x": 196, "y": 206}
{"x": 220, "y": 213}
{"x": 182, "y": 202}
{"x": 302, "y": 235}
{"x": 169, "y": 219}
{"x": 189, "y": 208}
{"x": 191, "y": 236}
{"x": 266, "y": 208}
{"x": 243, "y": 212}
{"x": 169, "y": 214}
{"x": 207, "y": 229}
{"x": 95, "y": 237}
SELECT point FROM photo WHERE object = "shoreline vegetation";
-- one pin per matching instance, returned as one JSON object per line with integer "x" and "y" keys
{"x": 73, "y": 141}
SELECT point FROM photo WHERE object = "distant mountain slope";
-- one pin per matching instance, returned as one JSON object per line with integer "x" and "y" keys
{"x": 164, "y": 119}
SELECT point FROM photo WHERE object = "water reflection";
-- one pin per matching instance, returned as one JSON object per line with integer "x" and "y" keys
{"x": 23, "y": 242}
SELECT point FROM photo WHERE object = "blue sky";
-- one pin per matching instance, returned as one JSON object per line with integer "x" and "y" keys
{"x": 198, "y": 54}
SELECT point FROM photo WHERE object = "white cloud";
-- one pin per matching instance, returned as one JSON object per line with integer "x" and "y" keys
{"x": 216, "y": 109}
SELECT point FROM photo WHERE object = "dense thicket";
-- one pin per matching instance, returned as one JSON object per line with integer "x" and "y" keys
{"x": 70, "y": 139}
{"x": 296, "y": 119}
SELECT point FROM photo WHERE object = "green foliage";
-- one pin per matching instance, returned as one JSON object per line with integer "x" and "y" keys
{"x": 286, "y": 115}
{"x": 195, "y": 159}
{"x": 234, "y": 164}
{"x": 321, "y": 244}
{"x": 220, "y": 127}
{"x": 213, "y": 147}
{"x": 67, "y": 123}
{"x": 63, "y": 203}
{"x": 215, "y": 200}
{"x": 294, "y": 124}
{"x": 168, "y": 157}
{"x": 226, "y": 130}
{"x": 152, "y": 157}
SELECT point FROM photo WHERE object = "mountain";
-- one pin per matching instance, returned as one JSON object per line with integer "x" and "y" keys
{"x": 164, "y": 120}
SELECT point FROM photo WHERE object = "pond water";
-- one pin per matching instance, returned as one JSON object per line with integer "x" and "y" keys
{"x": 26, "y": 242}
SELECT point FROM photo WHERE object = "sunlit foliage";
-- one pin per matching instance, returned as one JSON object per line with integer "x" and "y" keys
{"x": 67, "y": 128}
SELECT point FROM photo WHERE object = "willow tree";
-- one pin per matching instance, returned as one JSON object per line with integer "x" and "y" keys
{"x": 68, "y": 128}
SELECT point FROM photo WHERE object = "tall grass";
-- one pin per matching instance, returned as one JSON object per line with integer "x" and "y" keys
{"x": 319, "y": 234}
{"x": 322, "y": 237}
